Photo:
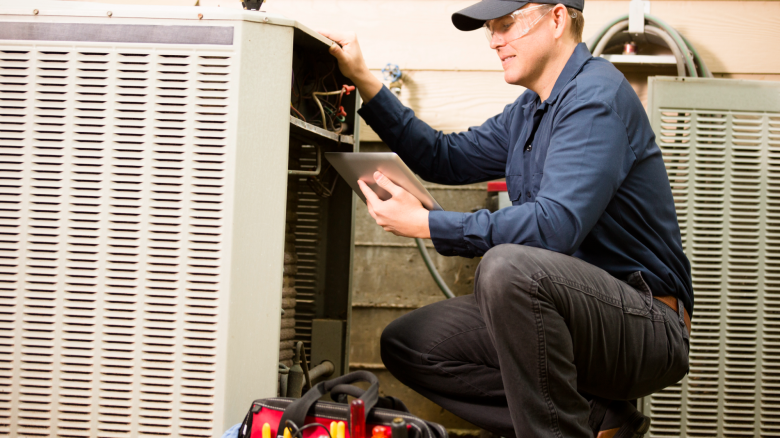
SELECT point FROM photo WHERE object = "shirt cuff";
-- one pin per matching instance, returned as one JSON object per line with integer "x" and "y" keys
{"x": 383, "y": 110}
{"x": 447, "y": 233}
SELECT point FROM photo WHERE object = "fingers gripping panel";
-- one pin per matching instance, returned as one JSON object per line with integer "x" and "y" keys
{"x": 112, "y": 191}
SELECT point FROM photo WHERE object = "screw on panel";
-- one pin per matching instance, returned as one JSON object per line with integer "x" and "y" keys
{"x": 200, "y": 16}
{"x": 35, "y": 12}
{"x": 265, "y": 19}
{"x": 109, "y": 13}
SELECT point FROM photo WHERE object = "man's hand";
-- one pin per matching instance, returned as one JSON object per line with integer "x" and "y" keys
{"x": 352, "y": 64}
{"x": 402, "y": 215}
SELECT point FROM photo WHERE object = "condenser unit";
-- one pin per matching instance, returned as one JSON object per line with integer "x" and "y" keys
{"x": 161, "y": 203}
{"x": 721, "y": 144}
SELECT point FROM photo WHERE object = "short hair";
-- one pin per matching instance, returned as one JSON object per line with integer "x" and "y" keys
{"x": 577, "y": 24}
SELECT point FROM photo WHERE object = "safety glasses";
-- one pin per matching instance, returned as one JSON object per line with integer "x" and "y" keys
{"x": 515, "y": 25}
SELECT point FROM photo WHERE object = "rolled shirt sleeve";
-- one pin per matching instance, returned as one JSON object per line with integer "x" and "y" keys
{"x": 588, "y": 158}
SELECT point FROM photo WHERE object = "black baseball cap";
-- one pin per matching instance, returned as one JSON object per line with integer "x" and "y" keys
{"x": 473, "y": 17}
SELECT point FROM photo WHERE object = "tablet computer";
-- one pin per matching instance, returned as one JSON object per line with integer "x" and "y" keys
{"x": 354, "y": 166}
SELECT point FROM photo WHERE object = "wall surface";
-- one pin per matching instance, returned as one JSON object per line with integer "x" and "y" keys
{"x": 453, "y": 81}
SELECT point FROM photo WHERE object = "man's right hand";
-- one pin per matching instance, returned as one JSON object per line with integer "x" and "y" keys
{"x": 352, "y": 64}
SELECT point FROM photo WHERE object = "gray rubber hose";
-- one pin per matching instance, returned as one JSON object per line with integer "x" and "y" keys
{"x": 432, "y": 269}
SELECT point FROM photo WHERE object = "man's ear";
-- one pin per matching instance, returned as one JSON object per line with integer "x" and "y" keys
{"x": 559, "y": 16}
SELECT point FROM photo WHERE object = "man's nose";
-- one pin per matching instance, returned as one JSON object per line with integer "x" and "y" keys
{"x": 496, "y": 41}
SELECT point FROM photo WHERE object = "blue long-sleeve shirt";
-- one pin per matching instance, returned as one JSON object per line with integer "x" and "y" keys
{"x": 583, "y": 171}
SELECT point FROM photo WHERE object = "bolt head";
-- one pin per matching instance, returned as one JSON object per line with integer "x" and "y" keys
{"x": 200, "y": 16}
{"x": 35, "y": 12}
{"x": 109, "y": 13}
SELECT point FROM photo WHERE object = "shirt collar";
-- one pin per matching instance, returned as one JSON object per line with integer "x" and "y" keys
{"x": 573, "y": 66}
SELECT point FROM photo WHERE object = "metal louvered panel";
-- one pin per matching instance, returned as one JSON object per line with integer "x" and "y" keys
{"x": 118, "y": 242}
{"x": 142, "y": 213}
{"x": 770, "y": 325}
{"x": 720, "y": 141}
{"x": 111, "y": 258}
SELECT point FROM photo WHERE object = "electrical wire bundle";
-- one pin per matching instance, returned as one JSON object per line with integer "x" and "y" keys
{"x": 310, "y": 95}
{"x": 685, "y": 54}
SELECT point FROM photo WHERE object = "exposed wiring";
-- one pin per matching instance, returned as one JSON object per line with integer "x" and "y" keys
{"x": 313, "y": 98}
{"x": 322, "y": 111}
{"x": 297, "y": 112}
{"x": 309, "y": 426}
{"x": 319, "y": 188}
{"x": 346, "y": 89}
{"x": 289, "y": 424}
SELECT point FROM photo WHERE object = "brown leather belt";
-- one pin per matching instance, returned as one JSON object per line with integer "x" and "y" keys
{"x": 672, "y": 302}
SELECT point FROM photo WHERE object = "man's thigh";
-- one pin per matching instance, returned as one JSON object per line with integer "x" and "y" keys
{"x": 624, "y": 344}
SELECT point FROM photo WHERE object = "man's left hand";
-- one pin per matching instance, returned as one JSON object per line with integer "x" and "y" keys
{"x": 402, "y": 215}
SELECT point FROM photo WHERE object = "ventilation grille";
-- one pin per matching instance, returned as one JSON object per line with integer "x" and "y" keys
{"x": 112, "y": 191}
{"x": 724, "y": 170}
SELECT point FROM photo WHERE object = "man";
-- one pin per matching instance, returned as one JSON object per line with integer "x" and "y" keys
{"x": 562, "y": 328}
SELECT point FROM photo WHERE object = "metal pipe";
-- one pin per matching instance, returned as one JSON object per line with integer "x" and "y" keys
{"x": 310, "y": 172}
{"x": 295, "y": 380}
{"x": 325, "y": 369}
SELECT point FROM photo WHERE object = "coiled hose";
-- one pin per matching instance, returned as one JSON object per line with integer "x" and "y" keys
{"x": 683, "y": 50}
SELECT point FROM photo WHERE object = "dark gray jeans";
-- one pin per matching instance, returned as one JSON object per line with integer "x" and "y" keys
{"x": 542, "y": 333}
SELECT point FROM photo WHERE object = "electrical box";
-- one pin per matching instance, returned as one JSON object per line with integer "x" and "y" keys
{"x": 152, "y": 232}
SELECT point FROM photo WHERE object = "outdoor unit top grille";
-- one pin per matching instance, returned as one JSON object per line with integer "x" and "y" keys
{"x": 142, "y": 207}
{"x": 721, "y": 145}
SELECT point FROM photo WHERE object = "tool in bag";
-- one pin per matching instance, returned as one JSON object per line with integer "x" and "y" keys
{"x": 308, "y": 417}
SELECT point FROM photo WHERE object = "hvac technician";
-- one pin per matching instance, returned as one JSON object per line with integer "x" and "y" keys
{"x": 562, "y": 327}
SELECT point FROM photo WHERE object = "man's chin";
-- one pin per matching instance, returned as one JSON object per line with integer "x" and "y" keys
{"x": 512, "y": 77}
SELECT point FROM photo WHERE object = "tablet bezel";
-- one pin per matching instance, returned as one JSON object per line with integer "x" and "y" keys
{"x": 354, "y": 166}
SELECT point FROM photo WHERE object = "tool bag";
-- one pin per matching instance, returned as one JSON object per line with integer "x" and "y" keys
{"x": 307, "y": 410}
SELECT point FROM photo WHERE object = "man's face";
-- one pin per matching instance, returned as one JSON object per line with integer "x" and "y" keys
{"x": 523, "y": 58}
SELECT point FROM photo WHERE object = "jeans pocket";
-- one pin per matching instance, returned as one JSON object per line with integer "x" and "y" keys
{"x": 643, "y": 300}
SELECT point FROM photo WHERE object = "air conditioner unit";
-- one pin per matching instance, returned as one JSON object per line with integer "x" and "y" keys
{"x": 721, "y": 144}
{"x": 149, "y": 220}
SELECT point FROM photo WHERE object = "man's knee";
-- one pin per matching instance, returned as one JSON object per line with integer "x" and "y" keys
{"x": 504, "y": 267}
{"x": 394, "y": 344}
